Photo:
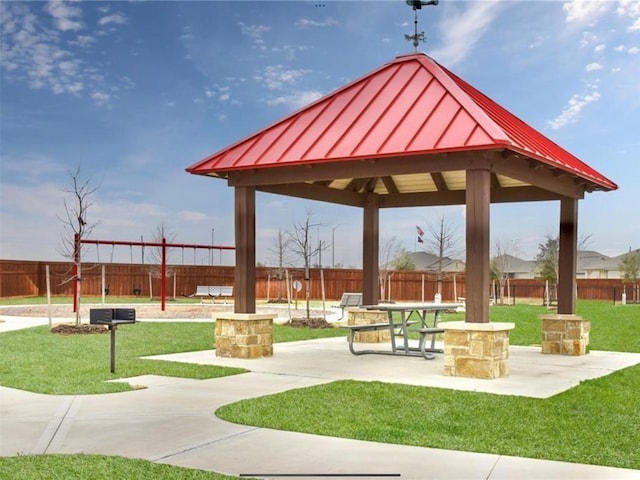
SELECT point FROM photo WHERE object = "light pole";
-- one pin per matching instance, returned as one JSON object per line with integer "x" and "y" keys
{"x": 213, "y": 232}
{"x": 333, "y": 248}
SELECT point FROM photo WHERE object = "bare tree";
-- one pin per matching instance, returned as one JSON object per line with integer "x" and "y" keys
{"x": 442, "y": 240}
{"x": 504, "y": 254}
{"x": 161, "y": 232}
{"x": 388, "y": 251}
{"x": 74, "y": 219}
{"x": 301, "y": 245}
{"x": 75, "y": 228}
{"x": 281, "y": 253}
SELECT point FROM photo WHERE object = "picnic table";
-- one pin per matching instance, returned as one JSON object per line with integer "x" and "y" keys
{"x": 422, "y": 313}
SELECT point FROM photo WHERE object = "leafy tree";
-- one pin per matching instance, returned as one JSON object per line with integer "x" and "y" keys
{"x": 630, "y": 266}
{"x": 403, "y": 261}
{"x": 547, "y": 259}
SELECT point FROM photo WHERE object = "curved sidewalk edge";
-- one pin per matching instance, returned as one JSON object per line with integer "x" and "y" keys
{"x": 173, "y": 422}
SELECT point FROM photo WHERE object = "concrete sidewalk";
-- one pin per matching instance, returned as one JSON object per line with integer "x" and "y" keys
{"x": 173, "y": 420}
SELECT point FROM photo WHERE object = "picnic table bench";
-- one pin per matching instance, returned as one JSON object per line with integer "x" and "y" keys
{"x": 394, "y": 328}
{"x": 419, "y": 311}
{"x": 213, "y": 292}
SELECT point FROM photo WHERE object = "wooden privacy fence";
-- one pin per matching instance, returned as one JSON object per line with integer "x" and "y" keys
{"x": 28, "y": 278}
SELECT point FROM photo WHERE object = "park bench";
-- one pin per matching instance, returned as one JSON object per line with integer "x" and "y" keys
{"x": 213, "y": 292}
{"x": 350, "y": 300}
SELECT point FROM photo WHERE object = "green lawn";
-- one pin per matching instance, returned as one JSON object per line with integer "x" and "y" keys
{"x": 36, "y": 360}
{"x": 597, "y": 422}
{"x": 96, "y": 467}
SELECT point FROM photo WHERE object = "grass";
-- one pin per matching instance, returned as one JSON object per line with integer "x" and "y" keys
{"x": 597, "y": 422}
{"x": 613, "y": 327}
{"x": 36, "y": 360}
{"x": 96, "y": 467}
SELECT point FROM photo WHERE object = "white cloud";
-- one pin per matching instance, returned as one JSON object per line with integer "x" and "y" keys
{"x": 588, "y": 38}
{"x": 114, "y": 18}
{"x": 593, "y": 67}
{"x": 83, "y": 40}
{"x": 65, "y": 15}
{"x": 33, "y": 165}
{"x": 307, "y": 22}
{"x": 43, "y": 58}
{"x": 297, "y": 99}
{"x": 599, "y": 48}
{"x": 631, "y": 9}
{"x": 101, "y": 98}
{"x": 572, "y": 110}
{"x": 276, "y": 77}
{"x": 630, "y": 50}
{"x": 255, "y": 33}
{"x": 584, "y": 11}
{"x": 461, "y": 31}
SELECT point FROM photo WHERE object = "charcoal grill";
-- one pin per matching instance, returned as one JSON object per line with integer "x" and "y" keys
{"x": 112, "y": 317}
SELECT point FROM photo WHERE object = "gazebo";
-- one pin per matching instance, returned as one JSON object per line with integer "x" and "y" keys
{"x": 410, "y": 133}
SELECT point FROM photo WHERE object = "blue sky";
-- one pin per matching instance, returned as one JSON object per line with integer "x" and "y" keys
{"x": 135, "y": 92}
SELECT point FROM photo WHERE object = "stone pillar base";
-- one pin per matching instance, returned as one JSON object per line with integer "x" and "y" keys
{"x": 362, "y": 316}
{"x": 565, "y": 334}
{"x": 476, "y": 350}
{"x": 244, "y": 335}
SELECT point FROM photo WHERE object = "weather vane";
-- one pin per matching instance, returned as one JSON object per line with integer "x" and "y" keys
{"x": 417, "y": 5}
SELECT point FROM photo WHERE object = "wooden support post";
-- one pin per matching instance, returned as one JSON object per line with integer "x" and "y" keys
{"x": 245, "y": 230}
{"x": 163, "y": 276}
{"x": 567, "y": 256}
{"x": 478, "y": 197}
{"x": 370, "y": 247}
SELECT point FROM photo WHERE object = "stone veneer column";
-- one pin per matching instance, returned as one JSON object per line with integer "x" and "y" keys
{"x": 362, "y": 316}
{"x": 244, "y": 335}
{"x": 476, "y": 350}
{"x": 565, "y": 334}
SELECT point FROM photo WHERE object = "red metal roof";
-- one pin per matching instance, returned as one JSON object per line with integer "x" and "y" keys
{"x": 410, "y": 106}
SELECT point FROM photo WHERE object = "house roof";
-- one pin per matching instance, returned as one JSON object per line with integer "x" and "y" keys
{"x": 429, "y": 262}
{"x": 592, "y": 260}
{"x": 510, "y": 264}
{"x": 414, "y": 109}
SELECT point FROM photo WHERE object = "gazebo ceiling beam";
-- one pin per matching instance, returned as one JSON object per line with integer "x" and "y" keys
{"x": 387, "y": 166}
{"x": 457, "y": 197}
{"x": 390, "y": 185}
{"x": 439, "y": 181}
{"x": 310, "y": 191}
{"x": 450, "y": 197}
{"x": 520, "y": 169}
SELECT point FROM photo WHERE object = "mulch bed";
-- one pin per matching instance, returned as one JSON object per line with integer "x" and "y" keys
{"x": 313, "y": 322}
{"x": 66, "y": 329}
